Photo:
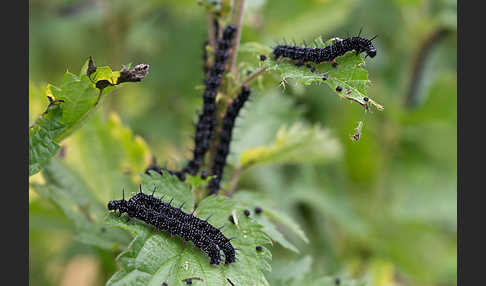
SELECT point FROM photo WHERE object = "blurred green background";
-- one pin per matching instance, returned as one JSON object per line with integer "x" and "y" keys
{"x": 384, "y": 212}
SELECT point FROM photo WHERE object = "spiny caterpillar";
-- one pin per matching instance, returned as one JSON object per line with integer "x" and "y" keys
{"x": 328, "y": 53}
{"x": 156, "y": 204}
{"x": 225, "y": 136}
{"x": 163, "y": 216}
{"x": 207, "y": 119}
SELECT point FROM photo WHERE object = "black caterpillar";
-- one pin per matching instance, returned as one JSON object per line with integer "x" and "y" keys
{"x": 223, "y": 148}
{"x": 327, "y": 54}
{"x": 207, "y": 119}
{"x": 163, "y": 216}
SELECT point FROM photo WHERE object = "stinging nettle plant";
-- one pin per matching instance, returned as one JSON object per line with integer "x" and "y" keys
{"x": 199, "y": 202}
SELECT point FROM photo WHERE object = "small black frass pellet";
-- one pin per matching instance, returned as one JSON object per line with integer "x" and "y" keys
{"x": 339, "y": 89}
{"x": 258, "y": 248}
{"x": 231, "y": 219}
{"x": 258, "y": 210}
{"x": 246, "y": 212}
{"x": 204, "y": 175}
{"x": 325, "y": 77}
{"x": 263, "y": 57}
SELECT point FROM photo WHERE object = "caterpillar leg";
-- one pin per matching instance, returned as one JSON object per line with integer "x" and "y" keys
{"x": 299, "y": 63}
{"x": 334, "y": 63}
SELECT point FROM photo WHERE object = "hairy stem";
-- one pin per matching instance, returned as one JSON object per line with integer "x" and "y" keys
{"x": 211, "y": 31}
{"x": 251, "y": 77}
{"x": 235, "y": 178}
{"x": 237, "y": 20}
{"x": 254, "y": 75}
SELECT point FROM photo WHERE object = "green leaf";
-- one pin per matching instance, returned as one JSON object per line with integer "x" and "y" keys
{"x": 197, "y": 181}
{"x": 271, "y": 218}
{"x": 100, "y": 151}
{"x": 154, "y": 257}
{"x": 105, "y": 73}
{"x": 171, "y": 187}
{"x": 71, "y": 105}
{"x": 70, "y": 193}
{"x": 298, "y": 144}
{"x": 41, "y": 144}
{"x": 349, "y": 75}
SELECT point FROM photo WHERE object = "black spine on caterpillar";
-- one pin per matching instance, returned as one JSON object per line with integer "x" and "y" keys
{"x": 327, "y": 54}
{"x": 169, "y": 219}
{"x": 207, "y": 119}
{"x": 150, "y": 202}
{"x": 225, "y": 136}
{"x": 153, "y": 167}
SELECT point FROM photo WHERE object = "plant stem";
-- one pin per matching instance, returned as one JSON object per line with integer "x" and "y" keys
{"x": 238, "y": 13}
{"x": 250, "y": 78}
{"x": 235, "y": 178}
{"x": 211, "y": 31}
{"x": 254, "y": 75}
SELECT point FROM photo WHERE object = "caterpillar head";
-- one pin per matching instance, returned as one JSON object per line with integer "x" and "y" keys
{"x": 371, "y": 52}
{"x": 370, "y": 49}
{"x": 117, "y": 205}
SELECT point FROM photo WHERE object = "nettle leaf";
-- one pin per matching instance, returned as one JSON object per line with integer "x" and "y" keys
{"x": 349, "y": 74}
{"x": 298, "y": 143}
{"x": 154, "y": 257}
{"x": 70, "y": 105}
{"x": 41, "y": 140}
{"x": 170, "y": 187}
{"x": 271, "y": 218}
{"x": 72, "y": 195}
{"x": 100, "y": 151}
{"x": 197, "y": 181}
